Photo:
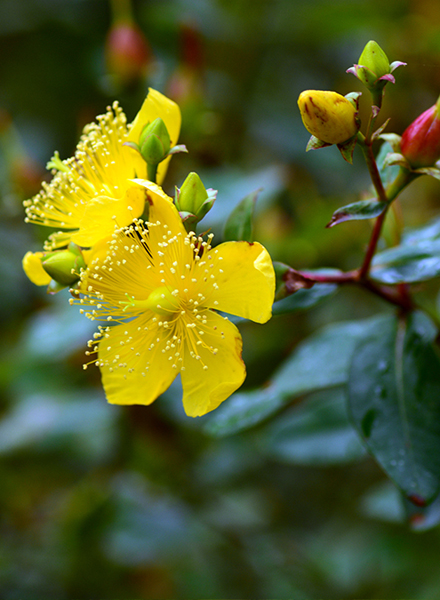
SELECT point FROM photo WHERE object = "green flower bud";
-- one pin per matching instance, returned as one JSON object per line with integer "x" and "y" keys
{"x": 375, "y": 59}
{"x": 374, "y": 68}
{"x": 193, "y": 200}
{"x": 154, "y": 142}
{"x": 64, "y": 266}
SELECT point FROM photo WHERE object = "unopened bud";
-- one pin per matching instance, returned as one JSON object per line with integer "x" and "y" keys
{"x": 154, "y": 142}
{"x": 374, "y": 68}
{"x": 64, "y": 266}
{"x": 420, "y": 143}
{"x": 328, "y": 116}
{"x": 193, "y": 200}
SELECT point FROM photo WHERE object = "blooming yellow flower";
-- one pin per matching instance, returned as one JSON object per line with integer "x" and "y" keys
{"x": 91, "y": 192}
{"x": 162, "y": 288}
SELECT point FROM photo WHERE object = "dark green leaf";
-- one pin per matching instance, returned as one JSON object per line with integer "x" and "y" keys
{"x": 431, "y": 231}
{"x": 305, "y": 298}
{"x": 316, "y": 432}
{"x": 394, "y": 391}
{"x": 322, "y": 360}
{"x": 243, "y": 410}
{"x": 239, "y": 224}
{"x": 408, "y": 263}
{"x": 365, "y": 209}
{"x": 319, "y": 362}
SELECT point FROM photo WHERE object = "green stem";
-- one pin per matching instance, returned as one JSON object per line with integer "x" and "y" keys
{"x": 151, "y": 172}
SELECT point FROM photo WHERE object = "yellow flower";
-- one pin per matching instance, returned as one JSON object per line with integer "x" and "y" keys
{"x": 161, "y": 288}
{"x": 328, "y": 116}
{"x": 34, "y": 269}
{"x": 92, "y": 192}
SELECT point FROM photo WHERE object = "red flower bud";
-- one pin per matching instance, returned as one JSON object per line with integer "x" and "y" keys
{"x": 127, "y": 52}
{"x": 420, "y": 143}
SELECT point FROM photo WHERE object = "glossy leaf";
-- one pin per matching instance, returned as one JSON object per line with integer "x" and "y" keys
{"x": 316, "y": 432}
{"x": 364, "y": 209}
{"x": 319, "y": 362}
{"x": 305, "y": 298}
{"x": 239, "y": 225}
{"x": 394, "y": 391}
{"x": 243, "y": 410}
{"x": 408, "y": 263}
{"x": 430, "y": 231}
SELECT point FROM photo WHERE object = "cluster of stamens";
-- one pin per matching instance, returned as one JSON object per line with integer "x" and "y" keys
{"x": 99, "y": 168}
{"x": 171, "y": 278}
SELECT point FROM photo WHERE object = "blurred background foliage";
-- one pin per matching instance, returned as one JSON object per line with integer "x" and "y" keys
{"x": 98, "y": 501}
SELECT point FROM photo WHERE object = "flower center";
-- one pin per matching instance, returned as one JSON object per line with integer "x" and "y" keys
{"x": 162, "y": 301}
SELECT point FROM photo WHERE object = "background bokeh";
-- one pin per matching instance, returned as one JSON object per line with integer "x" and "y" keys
{"x": 100, "y": 501}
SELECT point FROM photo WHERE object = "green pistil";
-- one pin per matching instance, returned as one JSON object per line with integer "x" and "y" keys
{"x": 161, "y": 301}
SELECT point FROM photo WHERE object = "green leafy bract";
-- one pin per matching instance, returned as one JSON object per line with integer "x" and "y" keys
{"x": 316, "y": 432}
{"x": 239, "y": 225}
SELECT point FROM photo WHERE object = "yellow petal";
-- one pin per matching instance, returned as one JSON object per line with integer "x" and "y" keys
{"x": 157, "y": 105}
{"x": 161, "y": 209}
{"x": 104, "y": 213}
{"x": 205, "y": 388}
{"x": 132, "y": 373}
{"x": 34, "y": 269}
{"x": 246, "y": 281}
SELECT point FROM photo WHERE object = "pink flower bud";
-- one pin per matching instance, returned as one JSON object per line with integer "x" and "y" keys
{"x": 420, "y": 143}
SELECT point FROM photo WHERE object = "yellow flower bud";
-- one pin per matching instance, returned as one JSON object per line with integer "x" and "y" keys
{"x": 328, "y": 116}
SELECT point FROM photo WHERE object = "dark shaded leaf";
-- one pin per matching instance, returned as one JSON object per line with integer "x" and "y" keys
{"x": 304, "y": 298}
{"x": 431, "y": 231}
{"x": 394, "y": 391}
{"x": 316, "y": 432}
{"x": 243, "y": 410}
{"x": 319, "y": 362}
